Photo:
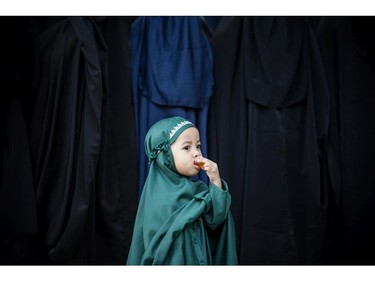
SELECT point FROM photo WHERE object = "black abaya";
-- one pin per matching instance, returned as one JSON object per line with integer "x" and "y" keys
{"x": 267, "y": 129}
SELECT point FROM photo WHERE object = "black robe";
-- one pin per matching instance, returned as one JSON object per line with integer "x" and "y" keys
{"x": 82, "y": 138}
{"x": 267, "y": 129}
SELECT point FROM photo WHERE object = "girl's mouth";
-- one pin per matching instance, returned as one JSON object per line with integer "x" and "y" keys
{"x": 199, "y": 164}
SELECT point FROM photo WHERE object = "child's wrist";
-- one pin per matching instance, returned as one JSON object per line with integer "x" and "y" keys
{"x": 218, "y": 183}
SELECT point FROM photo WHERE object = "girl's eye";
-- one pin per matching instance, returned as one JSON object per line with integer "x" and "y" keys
{"x": 199, "y": 146}
{"x": 186, "y": 147}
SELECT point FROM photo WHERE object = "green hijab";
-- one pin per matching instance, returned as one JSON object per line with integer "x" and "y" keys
{"x": 176, "y": 222}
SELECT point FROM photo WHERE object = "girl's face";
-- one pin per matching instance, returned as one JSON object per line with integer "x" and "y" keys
{"x": 185, "y": 150}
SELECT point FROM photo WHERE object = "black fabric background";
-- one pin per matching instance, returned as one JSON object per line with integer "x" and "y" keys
{"x": 298, "y": 162}
{"x": 75, "y": 88}
{"x": 276, "y": 124}
{"x": 290, "y": 125}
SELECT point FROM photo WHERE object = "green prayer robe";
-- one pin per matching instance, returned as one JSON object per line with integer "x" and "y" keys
{"x": 180, "y": 221}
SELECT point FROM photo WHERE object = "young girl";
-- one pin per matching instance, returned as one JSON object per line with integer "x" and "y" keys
{"x": 181, "y": 221}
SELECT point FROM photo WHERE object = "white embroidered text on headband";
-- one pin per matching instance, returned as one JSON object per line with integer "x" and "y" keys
{"x": 179, "y": 126}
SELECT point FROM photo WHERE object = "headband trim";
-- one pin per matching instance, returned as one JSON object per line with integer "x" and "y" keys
{"x": 179, "y": 126}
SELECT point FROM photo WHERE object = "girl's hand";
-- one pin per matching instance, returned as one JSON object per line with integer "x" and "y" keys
{"x": 211, "y": 170}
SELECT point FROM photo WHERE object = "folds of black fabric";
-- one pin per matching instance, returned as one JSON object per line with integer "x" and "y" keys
{"x": 268, "y": 119}
{"x": 65, "y": 132}
{"x": 81, "y": 139}
{"x": 117, "y": 194}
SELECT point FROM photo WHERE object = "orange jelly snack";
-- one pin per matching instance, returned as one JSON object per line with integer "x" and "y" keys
{"x": 199, "y": 164}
